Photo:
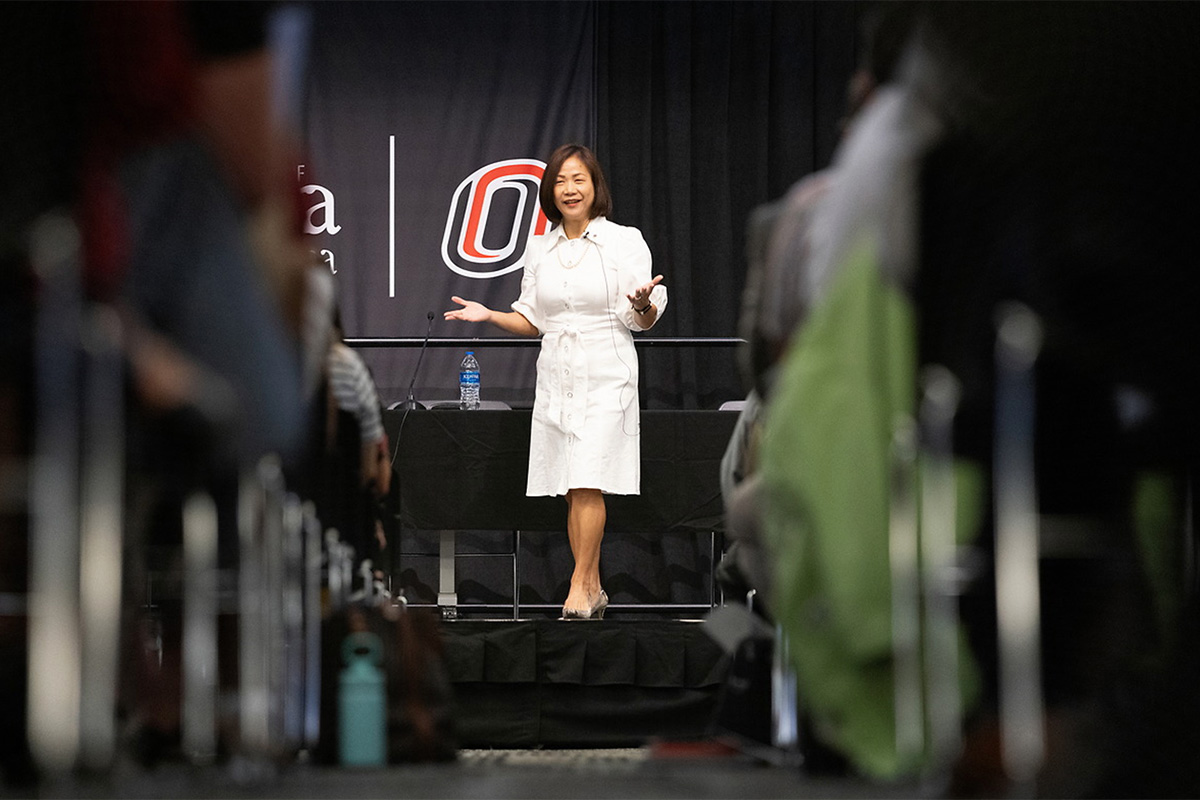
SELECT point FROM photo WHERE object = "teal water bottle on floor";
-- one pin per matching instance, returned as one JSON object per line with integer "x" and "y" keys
{"x": 362, "y": 703}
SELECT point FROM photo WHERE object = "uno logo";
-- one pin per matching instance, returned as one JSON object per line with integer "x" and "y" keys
{"x": 493, "y": 214}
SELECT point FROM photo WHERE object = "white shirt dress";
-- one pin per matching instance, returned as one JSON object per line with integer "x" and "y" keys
{"x": 586, "y": 423}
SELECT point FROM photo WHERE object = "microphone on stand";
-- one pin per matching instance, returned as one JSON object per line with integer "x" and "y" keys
{"x": 410, "y": 403}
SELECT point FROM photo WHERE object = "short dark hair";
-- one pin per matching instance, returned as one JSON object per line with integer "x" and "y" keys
{"x": 601, "y": 201}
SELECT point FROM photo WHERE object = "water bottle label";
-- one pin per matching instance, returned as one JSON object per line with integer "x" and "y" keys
{"x": 468, "y": 377}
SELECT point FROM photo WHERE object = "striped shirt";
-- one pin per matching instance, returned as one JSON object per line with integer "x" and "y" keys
{"x": 354, "y": 391}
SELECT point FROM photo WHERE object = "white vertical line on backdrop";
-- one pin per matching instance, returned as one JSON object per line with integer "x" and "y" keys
{"x": 392, "y": 215}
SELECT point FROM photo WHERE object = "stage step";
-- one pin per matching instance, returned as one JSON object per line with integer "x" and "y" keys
{"x": 551, "y": 683}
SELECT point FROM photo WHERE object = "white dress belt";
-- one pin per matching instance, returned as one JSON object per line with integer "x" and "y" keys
{"x": 568, "y": 365}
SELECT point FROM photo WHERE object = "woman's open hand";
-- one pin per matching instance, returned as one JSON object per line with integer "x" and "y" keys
{"x": 641, "y": 295}
{"x": 470, "y": 311}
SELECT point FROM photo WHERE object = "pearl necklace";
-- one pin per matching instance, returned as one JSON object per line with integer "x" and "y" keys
{"x": 577, "y": 249}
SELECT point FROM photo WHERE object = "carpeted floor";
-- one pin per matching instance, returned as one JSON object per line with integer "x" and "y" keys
{"x": 696, "y": 771}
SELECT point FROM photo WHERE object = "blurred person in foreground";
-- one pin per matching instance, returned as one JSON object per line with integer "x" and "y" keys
{"x": 780, "y": 242}
{"x": 1007, "y": 163}
{"x": 192, "y": 229}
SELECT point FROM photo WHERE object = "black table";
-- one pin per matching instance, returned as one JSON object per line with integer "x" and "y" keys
{"x": 466, "y": 470}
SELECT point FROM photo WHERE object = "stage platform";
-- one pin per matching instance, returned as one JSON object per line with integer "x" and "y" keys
{"x": 594, "y": 683}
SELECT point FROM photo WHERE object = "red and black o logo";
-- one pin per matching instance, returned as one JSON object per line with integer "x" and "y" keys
{"x": 493, "y": 214}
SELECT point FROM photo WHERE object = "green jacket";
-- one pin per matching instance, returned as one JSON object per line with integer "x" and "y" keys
{"x": 845, "y": 385}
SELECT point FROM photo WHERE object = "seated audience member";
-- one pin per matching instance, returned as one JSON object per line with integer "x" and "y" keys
{"x": 780, "y": 240}
{"x": 976, "y": 180}
{"x": 362, "y": 468}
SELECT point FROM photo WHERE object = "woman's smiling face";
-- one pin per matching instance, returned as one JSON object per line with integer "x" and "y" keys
{"x": 574, "y": 192}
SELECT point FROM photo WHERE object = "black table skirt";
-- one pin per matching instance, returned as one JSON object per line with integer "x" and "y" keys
{"x": 466, "y": 470}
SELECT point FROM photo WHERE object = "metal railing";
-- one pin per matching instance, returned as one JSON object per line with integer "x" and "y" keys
{"x": 368, "y": 342}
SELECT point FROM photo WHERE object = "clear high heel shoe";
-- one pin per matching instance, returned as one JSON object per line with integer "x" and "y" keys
{"x": 596, "y": 611}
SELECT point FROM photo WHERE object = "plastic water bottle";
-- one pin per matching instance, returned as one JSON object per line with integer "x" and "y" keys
{"x": 468, "y": 382}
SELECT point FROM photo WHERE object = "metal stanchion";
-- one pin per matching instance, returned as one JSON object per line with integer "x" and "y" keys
{"x": 939, "y": 568}
{"x": 55, "y": 658}
{"x": 1017, "y": 592}
{"x": 256, "y": 652}
{"x": 312, "y": 626}
{"x": 101, "y": 534}
{"x": 292, "y": 620}
{"x": 785, "y": 722}
{"x": 200, "y": 609}
{"x": 923, "y": 565}
{"x": 333, "y": 572}
{"x": 339, "y": 565}
{"x": 274, "y": 641}
{"x": 903, "y": 560}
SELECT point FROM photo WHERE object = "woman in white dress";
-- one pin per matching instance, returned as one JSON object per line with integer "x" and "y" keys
{"x": 587, "y": 286}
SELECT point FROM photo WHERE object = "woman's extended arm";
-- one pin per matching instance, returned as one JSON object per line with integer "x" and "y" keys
{"x": 510, "y": 321}
{"x": 646, "y": 295}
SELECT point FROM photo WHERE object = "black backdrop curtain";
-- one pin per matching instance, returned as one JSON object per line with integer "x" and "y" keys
{"x": 702, "y": 111}
{"x": 706, "y": 110}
